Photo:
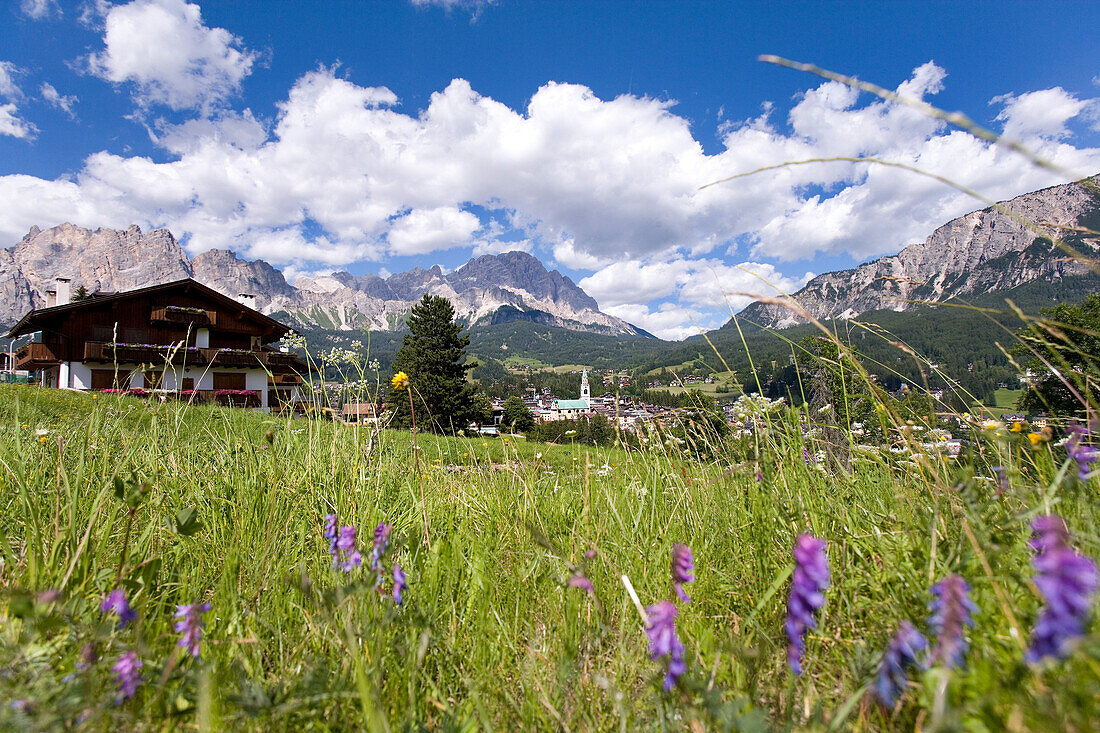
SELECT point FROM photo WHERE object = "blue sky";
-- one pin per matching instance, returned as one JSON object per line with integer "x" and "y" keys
{"x": 377, "y": 136}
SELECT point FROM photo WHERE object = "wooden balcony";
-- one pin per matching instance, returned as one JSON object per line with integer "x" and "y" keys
{"x": 97, "y": 351}
{"x": 35, "y": 356}
{"x": 184, "y": 315}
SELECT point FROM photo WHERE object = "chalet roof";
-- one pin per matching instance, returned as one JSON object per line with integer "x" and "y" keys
{"x": 32, "y": 320}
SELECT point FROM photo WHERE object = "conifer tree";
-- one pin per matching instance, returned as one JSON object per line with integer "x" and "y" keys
{"x": 433, "y": 355}
{"x": 517, "y": 416}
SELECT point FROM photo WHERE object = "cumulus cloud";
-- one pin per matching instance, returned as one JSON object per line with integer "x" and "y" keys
{"x": 57, "y": 100}
{"x": 163, "y": 48}
{"x": 427, "y": 230}
{"x": 9, "y": 88}
{"x": 1040, "y": 114}
{"x": 609, "y": 186}
{"x": 705, "y": 289}
{"x": 11, "y": 123}
{"x": 39, "y": 9}
{"x": 667, "y": 321}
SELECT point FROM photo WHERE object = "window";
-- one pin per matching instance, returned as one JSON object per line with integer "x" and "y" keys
{"x": 229, "y": 380}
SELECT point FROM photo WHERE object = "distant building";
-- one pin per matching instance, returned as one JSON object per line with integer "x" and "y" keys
{"x": 359, "y": 413}
{"x": 573, "y": 409}
{"x": 178, "y": 339}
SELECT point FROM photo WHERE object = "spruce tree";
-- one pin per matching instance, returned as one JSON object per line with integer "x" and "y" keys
{"x": 517, "y": 416}
{"x": 433, "y": 355}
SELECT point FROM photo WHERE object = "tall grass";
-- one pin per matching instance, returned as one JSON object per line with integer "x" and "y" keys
{"x": 490, "y": 636}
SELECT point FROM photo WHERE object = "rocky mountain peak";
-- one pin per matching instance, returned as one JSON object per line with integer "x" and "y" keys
{"x": 984, "y": 251}
{"x": 109, "y": 259}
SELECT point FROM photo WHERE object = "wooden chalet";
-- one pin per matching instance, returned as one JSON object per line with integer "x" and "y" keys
{"x": 180, "y": 339}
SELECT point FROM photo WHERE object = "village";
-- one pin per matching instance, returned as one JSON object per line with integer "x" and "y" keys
{"x": 185, "y": 341}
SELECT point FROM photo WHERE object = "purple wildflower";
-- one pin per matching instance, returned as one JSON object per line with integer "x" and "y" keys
{"x": 127, "y": 675}
{"x": 682, "y": 565}
{"x": 345, "y": 545}
{"x": 951, "y": 609}
{"x": 580, "y": 581}
{"x": 190, "y": 625}
{"x": 759, "y": 477}
{"x": 341, "y": 544}
{"x": 1002, "y": 479}
{"x": 48, "y": 596}
{"x": 330, "y": 534}
{"x": 901, "y": 654}
{"x": 810, "y": 579}
{"x": 1066, "y": 580}
{"x": 809, "y": 459}
{"x": 381, "y": 542}
{"x": 1083, "y": 455}
{"x": 663, "y": 642}
{"x": 116, "y": 603}
{"x": 399, "y": 584}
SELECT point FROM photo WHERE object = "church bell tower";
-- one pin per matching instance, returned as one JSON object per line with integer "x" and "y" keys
{"x": 586, "y": 394}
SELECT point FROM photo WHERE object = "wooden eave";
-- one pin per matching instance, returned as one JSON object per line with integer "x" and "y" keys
{"x": 34, "y": 320}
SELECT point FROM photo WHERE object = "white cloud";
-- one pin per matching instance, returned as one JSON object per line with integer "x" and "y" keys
{"x": 170, "y": 56}
{"x": 473, "y": 6}
{"x": 13, "y": 125}
{"x": 1040, "y": 114}
{"x": 228, "y": 129}
{"x": 709, "y": 284}
{"x": 499, "y": 246}
{"x": 9, "y": 88}
{"x": 57, "y": 100}
{"x": 668, "y": 321}
{"x": 39, "y": 9}
{"x": 427, "y": 230}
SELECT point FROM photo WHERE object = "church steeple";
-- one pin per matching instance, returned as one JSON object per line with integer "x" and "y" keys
{"x": 586, "y": 394}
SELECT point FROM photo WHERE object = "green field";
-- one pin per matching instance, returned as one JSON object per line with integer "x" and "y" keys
{"x": 490, "y": 635}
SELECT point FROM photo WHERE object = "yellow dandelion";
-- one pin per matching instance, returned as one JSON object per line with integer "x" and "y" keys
{"x": 1035, "y": 438}
{"x": 95, "y": 397}
{"x": 1017, "y": 427}
{"x": 43, "y": 439}
{"x": 400, "y": 381}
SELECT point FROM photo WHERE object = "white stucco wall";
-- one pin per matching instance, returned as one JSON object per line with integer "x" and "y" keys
{"x": 256, "y": 379}
{"x": 81, "y": 375}
{"x": 78, "y": 375}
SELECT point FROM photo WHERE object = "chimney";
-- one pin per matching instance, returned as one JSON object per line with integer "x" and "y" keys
{"x": 247, "y": 299}
{"x": 61, "y": 290}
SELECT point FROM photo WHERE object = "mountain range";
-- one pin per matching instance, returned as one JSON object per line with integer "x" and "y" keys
{"x": 513, "y": 286}
{"x": 988, "y": 250}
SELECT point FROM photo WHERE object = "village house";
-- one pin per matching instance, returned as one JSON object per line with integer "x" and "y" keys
{"x": 359, "y": 413}
{"x": 179, "y": 339}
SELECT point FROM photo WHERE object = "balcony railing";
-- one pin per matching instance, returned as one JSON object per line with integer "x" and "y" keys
{"x": 96, "y": 351}
{"x": 35, "y": 356}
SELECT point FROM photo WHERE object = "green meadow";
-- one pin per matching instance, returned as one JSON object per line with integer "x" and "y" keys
{"x": 178, "y": 505}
